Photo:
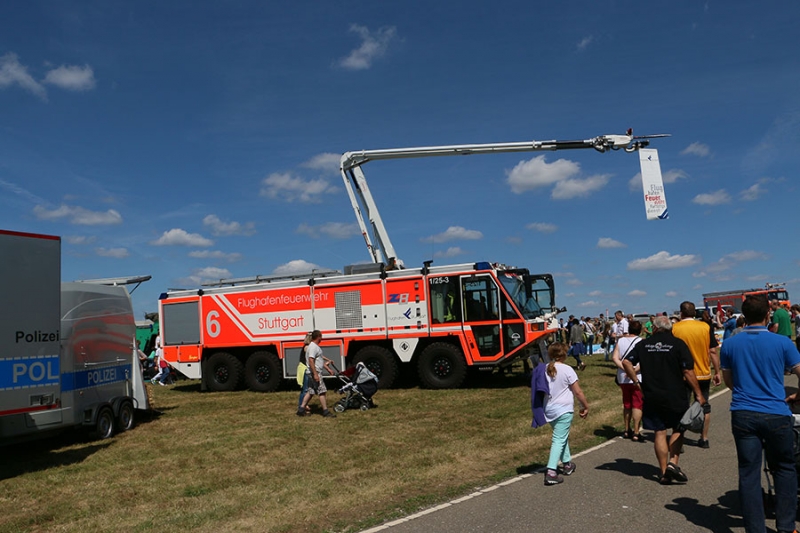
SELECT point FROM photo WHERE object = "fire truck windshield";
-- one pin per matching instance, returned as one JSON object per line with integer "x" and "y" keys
{"x": 514, "y": 284}
{"x": 778, "y": 295}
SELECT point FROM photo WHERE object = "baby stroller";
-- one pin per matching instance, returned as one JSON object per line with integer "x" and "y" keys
{"x": 360, "y": 385}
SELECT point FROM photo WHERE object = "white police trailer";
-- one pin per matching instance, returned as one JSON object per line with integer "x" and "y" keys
{"x": 67, "y": 350}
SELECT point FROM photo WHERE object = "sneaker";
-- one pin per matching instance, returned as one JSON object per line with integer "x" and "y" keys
{"x": 567, "y": 468}
{"x": 328, "y": 414}
{"x": 301, "y": 412}
{"x": 162, "y": 383}
{"x": 583, "y": 366}
{"x": 552, "y": 478}
{"x": 675, "y": 472}
{"x": 703, "y": 443}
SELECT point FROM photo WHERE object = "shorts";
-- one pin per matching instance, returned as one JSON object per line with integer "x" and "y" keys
{"x": 658, "y": 420}
{"x": 317, "y": 387}
{"x": 631, "y": 396}
{"x": 705, "y": 388}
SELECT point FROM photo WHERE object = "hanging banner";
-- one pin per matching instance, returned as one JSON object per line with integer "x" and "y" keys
{"x": 655, "y": 202}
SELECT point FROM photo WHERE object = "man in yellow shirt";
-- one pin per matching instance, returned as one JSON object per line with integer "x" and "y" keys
{"x": 702, "y": 342}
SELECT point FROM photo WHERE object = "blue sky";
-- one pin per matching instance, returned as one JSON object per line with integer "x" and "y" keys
{"x": 200, "y": 140}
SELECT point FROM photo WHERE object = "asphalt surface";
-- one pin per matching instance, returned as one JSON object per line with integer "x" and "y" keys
{"x": 615, "y": 488}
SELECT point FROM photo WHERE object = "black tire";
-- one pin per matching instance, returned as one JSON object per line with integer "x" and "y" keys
{"x": 263, "y": 372}
{"x": 339, "y": 407}
{"x": 104, "y": 425}
{"x": 224, "y": 372}
{"x": 125, "y": 417}
{"x": 380, "y": 362}
{"x": 442, "y": 366}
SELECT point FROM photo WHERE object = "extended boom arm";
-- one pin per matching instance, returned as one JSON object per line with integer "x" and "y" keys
{"x": 356, "y": 183}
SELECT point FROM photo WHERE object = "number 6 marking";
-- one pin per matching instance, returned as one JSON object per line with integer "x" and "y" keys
{"x": 212, "y": 326}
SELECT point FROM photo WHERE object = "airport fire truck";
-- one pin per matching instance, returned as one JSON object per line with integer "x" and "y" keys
{"x": 772, "y": 291}
{"x": 67, "y": 350}
{"x": 441, "y": 319}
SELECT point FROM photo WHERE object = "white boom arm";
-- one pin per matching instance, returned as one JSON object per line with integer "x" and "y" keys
{"x": 356, "y": 183}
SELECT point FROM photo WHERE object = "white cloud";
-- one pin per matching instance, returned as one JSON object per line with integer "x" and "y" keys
{"x": 637, "y": 293}
{"x": 670, "y": 176}
{"x": 670, "y": 294}
{"x": 71, "y": 78}
{"x": 206, "y": 275}
{"x": 747, "y": 255}
{"x": 290, "y": 188}
{"x": 454, "y": 233}
{"x": 586, "y": 41}
{"x": 542, "y": 227}
{"x": 118, "y": 253}
{"x": 298, "y": 266}
{"x": 79, "y": 240}
{"x": 575, "y": 282}
{"x": 590, "y": 303}
{"x": 726, "y": 262}
{"x": 663, "y": 261}
{"x": 78, "y": 215}
{"x": 569, "y": 295}
{"x": 754, "y": 192}
{"x": 12, "y": 72}
{"x": 327, "y": 162}
{"x": 698, "y": 149}
{"x": 215, "y": 254}
{"x": 373, "y": 46}
{"x": 450, "y": 252}
{"x": 595, "y": 293}
{"x": 179, "y": 237}
{"x": 574, "y": 188}
{"x": 712, "y": 198}
{"x": 218, "y": 227}
{"x": 332, "y": 230}
{"x": 537, "y": 172}
{"x": 608, "y": 242}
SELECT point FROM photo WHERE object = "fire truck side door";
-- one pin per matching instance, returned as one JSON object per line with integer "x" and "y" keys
{"x": 482, "y": 312}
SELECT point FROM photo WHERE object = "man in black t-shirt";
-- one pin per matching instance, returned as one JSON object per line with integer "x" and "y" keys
{"x": 666, "y": 366}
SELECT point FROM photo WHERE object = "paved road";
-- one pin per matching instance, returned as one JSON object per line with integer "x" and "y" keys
{"x": 614, "y": 488}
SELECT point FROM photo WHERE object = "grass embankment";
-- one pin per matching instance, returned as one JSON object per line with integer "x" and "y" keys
{"x": 244, "y": 462}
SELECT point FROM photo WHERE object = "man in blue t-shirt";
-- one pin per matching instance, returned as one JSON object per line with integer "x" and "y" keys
{"x": 753, "y": 365}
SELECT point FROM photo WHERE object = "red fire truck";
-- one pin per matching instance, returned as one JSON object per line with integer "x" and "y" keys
{"x": 772, "y": 291}
{"x": 442, "y": 319}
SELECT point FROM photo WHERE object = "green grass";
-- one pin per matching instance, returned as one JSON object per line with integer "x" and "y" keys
{"x": 243, "y": 461}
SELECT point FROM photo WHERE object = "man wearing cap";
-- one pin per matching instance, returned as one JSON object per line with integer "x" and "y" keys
{"x": 753, "y": 366}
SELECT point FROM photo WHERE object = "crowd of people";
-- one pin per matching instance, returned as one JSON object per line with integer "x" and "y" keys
{"x": 669, "y": 363}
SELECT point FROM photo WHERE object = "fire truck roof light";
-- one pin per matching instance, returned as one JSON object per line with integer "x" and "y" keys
{"x": 483, "y": 265}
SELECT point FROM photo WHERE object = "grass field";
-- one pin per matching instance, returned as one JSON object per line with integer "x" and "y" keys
{"x": 243, "y": 461}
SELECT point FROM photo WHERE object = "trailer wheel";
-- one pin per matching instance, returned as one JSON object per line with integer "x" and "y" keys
{"x": 442, "y": 366}
{"x": 263, "y": 372}
{"x": 125, "y": 416}
{"x": 104, "y": 426}
{"x": 380, "y": 362}
{"x": 225, "y": 372}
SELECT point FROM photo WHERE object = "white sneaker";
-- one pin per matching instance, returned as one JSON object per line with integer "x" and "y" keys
{"x": 162, "y": 384}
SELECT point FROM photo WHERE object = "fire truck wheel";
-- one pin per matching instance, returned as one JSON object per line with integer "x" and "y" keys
{"x": 225, "y": 372}
{"x": 125, "y": 417}
{"x": 104, "y": 426}
{"x": 380, "y": 362}
{"x": 442, "y": 366}
{"x": 262, "y": 372}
